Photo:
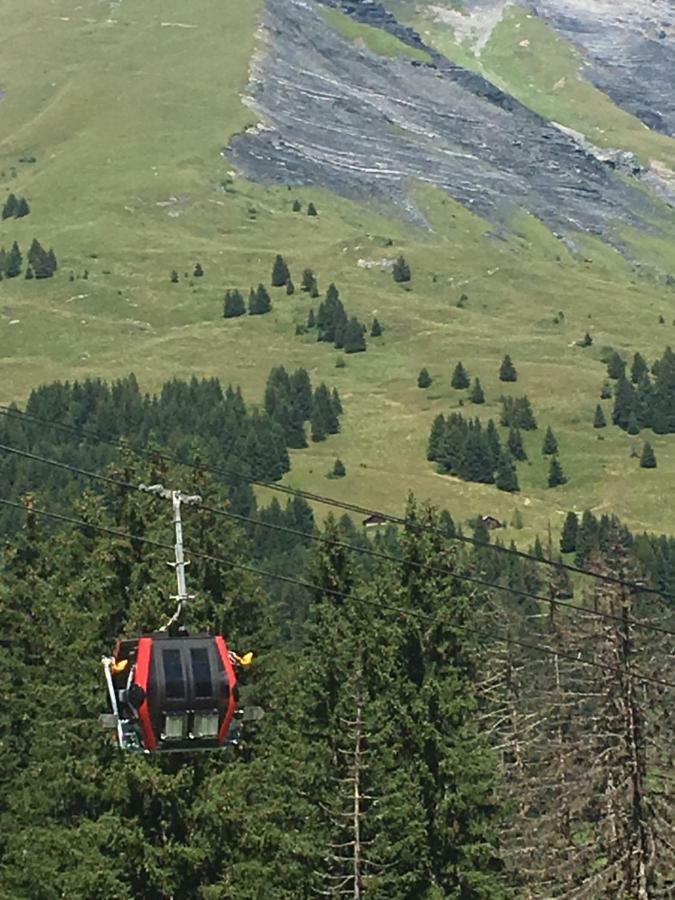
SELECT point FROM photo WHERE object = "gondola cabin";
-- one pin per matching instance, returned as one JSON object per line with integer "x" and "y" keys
{"x": 173, "y": 692}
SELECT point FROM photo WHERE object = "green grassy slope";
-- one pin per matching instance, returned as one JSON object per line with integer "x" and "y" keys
{"x": 126, "y": 116}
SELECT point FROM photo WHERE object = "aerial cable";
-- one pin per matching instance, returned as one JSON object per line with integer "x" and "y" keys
{"x": 234, "y": 477}
{"x": 160, "y": 493}
{"x": 344, "y": 595}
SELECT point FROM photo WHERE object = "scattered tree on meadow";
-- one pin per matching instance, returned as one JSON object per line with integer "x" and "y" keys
{"x": 259, "y": 301}
{"x": 234, "y": 305}
{"x": 339, "y": 470}
{"x": 568, "y": 538}
{"x": 354, "y": 340}
{"x": 556, "y": 476}
{"x": 599, "y": 420}
{"x": 22, "y": 209}
{"x": 375, "y": 328}
{"x": 400, "y": 270}
{"x": 606, "y": 392}
{"x": 477, "y": 394}
{"x": 515, "y": 444}
{"x": 290, "y": 287}
{"x": 311, "y": 319}
{"x": 311, "y": 210}
{"x": 29, "y": 273}
{"x": 506, "y": 478}
{"x": 460, "y": 378}
{"x": 632, "y": 427}
{"x": 198, "y": 270}
{"x": 423, "y": 379}
{"x": 648, "y": 457}
{"x": 550, "y": 445}
{"x": 10, "y": 208}
{"x": 507, "y": 371}
{"x": 14, "y": 262}
{"x": 638, "y": 368}
{"x": 297, "y": 206}
{"x": 174, "y": 277}
{"x": 616, "y": 367}
{"x": 517, "y": 411}
{"x": 280, "y": 273}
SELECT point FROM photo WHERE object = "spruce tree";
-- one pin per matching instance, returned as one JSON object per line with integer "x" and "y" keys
{"x": 308, "y": 280}
{"x": 174, "y": 277}
{"x": 401, "y": 270}
{"x": 624, "y": 402}
{"x": 550, "y": 445}
{"x": 198, "y": 270}
{"x": 506, "y": 477}
{"x": 354, "y": 341}
{"x": 290, "y": 287}
{"x": 599, "y": 420}
{"x": 51, "y": 257}
{"x": 263, "y": 302}
{"x": 253, "y": 303}
{"x": 515, "y": 444}
{"x": 337, "y": 403}
{"x": 339, "y": 470}
{"x": 556, "y": 476}
{"x": 375, "y": 328}
{"x": 311, "y": 319}
{"x": 280, "y": 273}
{"x": 300, "y": 392}
{"x": 632, "y": 427}
{"x": 234, "y": 305}
{"x": 477, "y": 395}
{"x": 606, "y": 392}
{"x": 436, "y": 439}
{"x": 10, "y": 207}
{"x": 568, "y": 538}
{"x": 14, "y": 262}
{"x": 29, "y": 274}
{"x": 648, "y": 457}
{"x": 423, "y": 379}
{"x": 311, "y": 210}
{"x": 22, "y": 209}
{"x": 507, "y": 371}
{"x": 616, "y": 367}
{"x": 638, "y": 368}
{"x": 460, "y": 378}
{"x": 297, "y": 206}
{"x": 318, "y": 425}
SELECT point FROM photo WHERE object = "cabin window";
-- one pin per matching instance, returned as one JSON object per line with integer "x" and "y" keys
{"x": 201, "y": 672}
{"x": 173, "y": 674}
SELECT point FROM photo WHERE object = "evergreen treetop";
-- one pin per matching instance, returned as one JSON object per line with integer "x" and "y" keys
{"x": 460, "y": 378}
{"x": 354, "y": 341}
{"x": 423, "y": 379}
{"x": 477, "y": 394}
{"x": 507, "y": 371}
{"x": 401, "y": 270}
{"x": 10, "y": 207}
{"x": 375, "y": 328}
{"x": 556, "y": 476}
{"x": 568, "y": 538}
{"x": 648, "y": 457}
{"x": 280, "y": 273}
{"x": 599, "y": 420}
{"x": 550, "y": 445}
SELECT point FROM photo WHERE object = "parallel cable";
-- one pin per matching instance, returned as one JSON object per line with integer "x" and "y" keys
{"x": 229, "y": 476}
{"x": 368, "y": 551}
{"x": 343, "y": 595}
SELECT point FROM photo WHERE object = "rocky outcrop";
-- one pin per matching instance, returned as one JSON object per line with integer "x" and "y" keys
{"x": 366, "y": 127}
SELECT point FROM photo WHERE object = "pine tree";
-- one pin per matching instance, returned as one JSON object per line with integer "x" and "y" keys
{"x": 290, "y": 287}
{"x": 29, "y": 274}
{"x": 22, "y": 209}
{"x": 556, "y": 476}
{"x": 477, "y": 395}
{"x": 354, "y": 341}
{"x": 280, "y": 273}
{"x": 14, "y": 262}
{"x": 648, "y": 457}
{"x": 10, "y": 208}
{"x": 638, "y": 368}
{"x": 616, "y": 367}
{"x": 624, "y": 402}
{"x": 632, "y": 427}
{"x": 252, "y": 302}
{"x": 568, "y": 538}
{"x": 318, "y": 425}
{"x": 436, "y": 439}
{"x": 506, "y": 477}
{"x": 550, "y": 445}
{"x": 606, "y": 392}
{"x": 375, "y": 329}
{"x": 339, "y": 470}
{"x": 263, "y": 302}
{"x": 311, "y": 319}
{"x": 174, "y": 277}
{"x": 51, "y": 258}
{"x": 300, "y": 392}
{"x": 507, "y": 371}
{"x": 308, "y": 281}
{"x": 198, "y": 270}
{"x": 460, "y": 378}
{"x": 599, "y": 420}
{"x": 297, "y": 206}
{"x": 515, "y": 444}
{"x": 423, "y": 379}
{"x": 337, "y": 403}
{"x": 234, "y": 305}
{"x": 401, "y": 270}
{"x": 311, "y": 210}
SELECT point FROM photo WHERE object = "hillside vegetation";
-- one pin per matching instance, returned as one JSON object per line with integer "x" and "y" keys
{"x": 125, "y": 120}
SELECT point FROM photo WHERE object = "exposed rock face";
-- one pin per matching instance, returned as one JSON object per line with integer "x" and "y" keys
{"x": 365, "y": 126}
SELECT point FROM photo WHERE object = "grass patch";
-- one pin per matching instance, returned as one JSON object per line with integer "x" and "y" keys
{"x": 375, "y": 39}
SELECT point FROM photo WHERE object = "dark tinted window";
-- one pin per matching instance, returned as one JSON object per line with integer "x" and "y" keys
{"x": 173, "y": 673}
{"x": 201, "y": 672}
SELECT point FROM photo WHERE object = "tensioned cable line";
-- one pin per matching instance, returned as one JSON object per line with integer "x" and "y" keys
{"x": 231, "y": 476}
{"x": 344, "y": 595}
{"x": 368, "y": 551}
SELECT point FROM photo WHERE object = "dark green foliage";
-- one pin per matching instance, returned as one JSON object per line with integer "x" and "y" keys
{"x": 616, "y": 367}
{"x": 568, "y": 538}
{"x": 290, "y": 287}
{"x": 174, "y": 277}
{"x": 648, "y": 457}
{"x": 29, "y": 274}
{"x": 337, "y": 403}
{"x": 311, "y": 319}
{"x": 506, "y": 477}
{"x": 606, "y": 392}
{"x": 515, "y": 444}
{"x": 586, "y": 341}
{"x": 477, "y": 395}
{"x": 300, "y": 392}
{"x": 43, "y": 262}
{"x": 517, "y": 411}
{"x": 507, "y": 371}
{"x": 311, "y": 210}
{"x": 401, "y": 271}
{"x": 354, "y": 340}
{"x": 339, "y": 470}
{"x": 14, "y": 261}
{"x": 423, "y": 379}
{"x": 625, "y": 403}
{"x": 297, "y": 206}
{"x": 318, "y": 425}
{"x": 436, "y": 442}
{"x": 259, "y": 301}
{"x": 198, "y": 271}
{"x": 234, "y": 305}
{"x": 22, "y": 209}
{"x": 550, "y": 445}
{"x": 638, "y": 369}
{"x": 464, "y": 448}
{"x": 599, "y": 420}
{"x": 556, "y": 476}
{"x": 632, "y": 427}
{"x": 375, "y": 329}
{"x": 10, "y": 207}
{"x": 280, "y": 273}
{"x": 327, "y": 408}
{"x": 308, "y": 281}
{"x": 460, "y": 378}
